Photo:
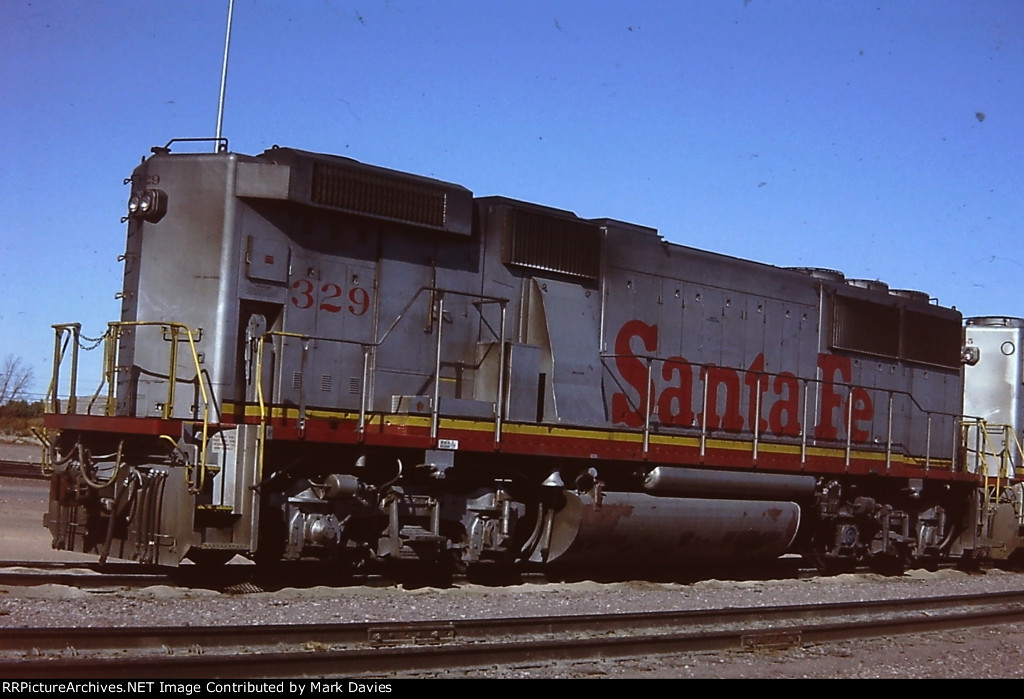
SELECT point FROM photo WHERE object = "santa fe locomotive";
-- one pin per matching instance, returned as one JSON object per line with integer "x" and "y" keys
{"x": 321, "y": 360}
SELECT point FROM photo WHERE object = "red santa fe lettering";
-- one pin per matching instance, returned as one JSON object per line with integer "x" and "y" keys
{"x": 679, "y": 394}
{"x": 674, "y": 405}
{"x": 757, "y": 384}
{"x": 860, "y": 411}
{"x": 633, "y": 372}
{"x": 784, "y": 415}
{"x": 723, "y": 381}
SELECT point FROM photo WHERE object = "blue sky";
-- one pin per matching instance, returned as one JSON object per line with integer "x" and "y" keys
{"x": 883, "y": 139}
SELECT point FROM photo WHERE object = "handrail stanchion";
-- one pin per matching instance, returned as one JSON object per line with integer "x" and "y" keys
{"x": 435, "y": 414}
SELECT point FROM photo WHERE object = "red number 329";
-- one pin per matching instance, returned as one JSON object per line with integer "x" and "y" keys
{"x": 327, "y": 298}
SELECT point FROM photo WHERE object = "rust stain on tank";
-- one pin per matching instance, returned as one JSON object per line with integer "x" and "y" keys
{"x": 607, "y": 514}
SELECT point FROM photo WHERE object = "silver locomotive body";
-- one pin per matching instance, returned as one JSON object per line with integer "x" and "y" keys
{"x": 320, "y": 359}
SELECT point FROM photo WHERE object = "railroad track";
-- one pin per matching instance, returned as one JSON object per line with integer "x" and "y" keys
{"x": 82, "y": 574}
{"x": 21, "y": 469}
{"x": 407, "y": 649}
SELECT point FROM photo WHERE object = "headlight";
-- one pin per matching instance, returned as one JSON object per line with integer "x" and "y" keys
{"x": 149, "y": 205}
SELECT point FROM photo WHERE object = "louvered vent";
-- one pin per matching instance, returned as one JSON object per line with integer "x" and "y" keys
{"x": 932, "y": 340}
{"x": 380, "y": 195}
{"x": 886, "y": 330}
{"x": 866, "y": 327}
{"x": 552, "y": 243}
{"x": 343, "y": 184}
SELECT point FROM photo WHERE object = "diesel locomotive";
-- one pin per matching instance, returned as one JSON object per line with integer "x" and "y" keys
{"x": 325, "y": 361}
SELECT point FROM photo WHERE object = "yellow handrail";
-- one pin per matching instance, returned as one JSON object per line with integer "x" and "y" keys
{"x": 64, "y": 333}
{"x": 70, "y": 332}
{"x": 261, "y": 402}
{"x": 986, "y": 448}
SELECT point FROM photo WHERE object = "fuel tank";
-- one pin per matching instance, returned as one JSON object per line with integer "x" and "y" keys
{"x": 659, "y": 531}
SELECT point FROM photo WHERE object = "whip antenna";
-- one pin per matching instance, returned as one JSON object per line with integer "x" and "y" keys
{"x": 218, "y": 144}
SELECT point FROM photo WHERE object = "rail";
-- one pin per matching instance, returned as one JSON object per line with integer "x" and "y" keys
{"x": 710, "y": 376}
{"x": 68, "y": 336}
{"x": 368, "y": 349}
{"x": 64, "y": 334}
{"x": 995, "y": 451}
{"x": 992, "y": 445}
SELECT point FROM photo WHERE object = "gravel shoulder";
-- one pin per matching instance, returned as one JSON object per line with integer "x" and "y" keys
{"x": 984, "y": 652}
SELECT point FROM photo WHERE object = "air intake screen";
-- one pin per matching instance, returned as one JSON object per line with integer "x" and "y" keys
{"x": 931, "y": 340}
{"x": 551, "y": 243}
{"x": 379, "y": 195}
{"x": 867, "y": 327}
{"x": 884, "y": 330}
